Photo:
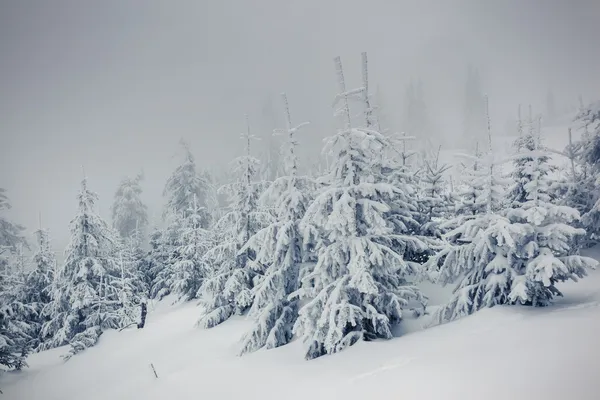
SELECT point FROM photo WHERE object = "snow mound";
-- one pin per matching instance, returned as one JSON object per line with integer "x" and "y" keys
{"x": 500, "y": 353}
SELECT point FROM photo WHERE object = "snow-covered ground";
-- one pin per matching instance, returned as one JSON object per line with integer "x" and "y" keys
{"x": 501, "y": 353}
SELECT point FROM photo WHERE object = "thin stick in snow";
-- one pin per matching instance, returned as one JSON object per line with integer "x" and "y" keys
{"x": 154, "y": 370}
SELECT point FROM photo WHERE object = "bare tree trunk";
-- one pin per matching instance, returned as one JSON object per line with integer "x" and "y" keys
{"x": 143, "y": 316}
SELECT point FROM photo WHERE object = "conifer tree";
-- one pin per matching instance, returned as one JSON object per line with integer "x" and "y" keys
{"x": 11, "y": 234}
{"x": 189, "y": 269}
{"x": 16, "y": 328}
{"x": 153, "y": 260}
{"x": 165, "y": 246}
{"x": 87, "y": 297}
{"x": 228, "y": 288}
{"x": 470, "y": 194}
{"x": 416, "y": 118}
{"x": 433, "y": 204}
{"x": 357, "y": 289}
{"x": 129, "y": 213}
{"x": 474, "y": 110}
{"x": 185, "y": 184}
{"x": 37, "y": 287}
{"x": 279, "y": 253}
{"x": 513, "y": 258}
{"x": 522, "y": 173}
{"x": 586, "y": 195}
{"x": 548, "y": 254}
{"x": 15, "y": 337}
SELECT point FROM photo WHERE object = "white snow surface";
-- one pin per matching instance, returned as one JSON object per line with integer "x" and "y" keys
{"x": 499, "y": 353}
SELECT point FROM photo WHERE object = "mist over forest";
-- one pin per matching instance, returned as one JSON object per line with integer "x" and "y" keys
{"x": 273, "y": 199}
{"x": 112, "y": 87}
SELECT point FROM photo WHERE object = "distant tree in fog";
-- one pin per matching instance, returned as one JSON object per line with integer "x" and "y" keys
{"x": 129, "y": 213}
{"x": 416, "y": 121}
{"x": 186, "y": 186}
{"x": 551, "y": 112}
{"x": 474, "y": 128}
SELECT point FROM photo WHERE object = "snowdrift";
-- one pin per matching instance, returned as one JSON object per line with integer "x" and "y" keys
{"x": 500, "y": 353}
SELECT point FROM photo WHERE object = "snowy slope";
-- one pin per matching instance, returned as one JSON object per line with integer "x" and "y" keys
{"x": 500, "y": 353}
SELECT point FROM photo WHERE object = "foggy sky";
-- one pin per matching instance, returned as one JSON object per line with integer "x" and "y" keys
{"x": 113, "y": 85}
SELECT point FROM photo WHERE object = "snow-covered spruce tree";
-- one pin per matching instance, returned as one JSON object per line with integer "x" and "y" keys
{"x": 37, "y": 287}
{"x": 432, "y": 199}
{"x": 587, "y": 193}
{"x": 279, "y": 253}
{"x": 87, "y": 297}
{"x": 189, "y": 269}
{"x": 135, "y": 280}
{"x": 575, "y": 187}
{"x": 154, "y": 263}
{"x": 357, "y": 289}
{"x": 548, "y": 254}
{"x": 523, "y": 145}
{"x": 18, "y": 325}
{"x": 399, "y": 173}
{"x": 470, "y": 199}
{"x": 185, "y": 184}
{"x": 132, "y": 280}
{"x": 404, "y": 212}
{"x": 164, "y": 254}
{"x": 15, "y": 334}
{"x": 470, "y": 191}
{"x": 185, "y": 189}
{"x": 11, "y": 234}
{"x": 508, "y": 259}
{"x": 16, "y": 331}
{"x": 478, "y": 249}
{"x": 129, "y": 213}
{"x": 227, "y": 290}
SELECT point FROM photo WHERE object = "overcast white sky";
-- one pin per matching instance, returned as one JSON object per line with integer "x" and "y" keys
{"x": 113, "y": 85}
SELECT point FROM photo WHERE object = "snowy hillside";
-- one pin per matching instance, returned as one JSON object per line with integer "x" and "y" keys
{"x": 499, "y": 353}
{"x": 329, "y": 266}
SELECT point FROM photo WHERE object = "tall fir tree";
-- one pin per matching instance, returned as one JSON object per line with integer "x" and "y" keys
{"x": 357, "y": 290}
{"x": 38, "y": 283}
{"x": 16, "y": 330}
{"x": 279, "y": 252}
{"x": 189, "y": 269}
{"x": 164, "y": 253}
{"x": 15, "y": 333}
{"x": 228, "y": 288}
{"x": 87, "y": 297}
{"x": 550, "y": 254}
